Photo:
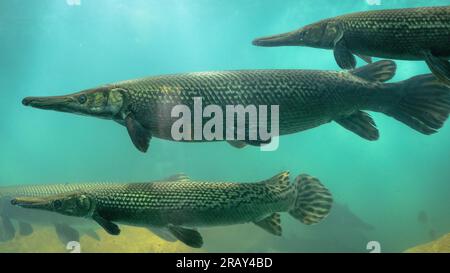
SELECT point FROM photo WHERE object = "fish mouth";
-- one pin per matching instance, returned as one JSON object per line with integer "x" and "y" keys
{"x": 284, "y": 39}
{"x": 58, "y": 103}
{"x": 30, "y": 202}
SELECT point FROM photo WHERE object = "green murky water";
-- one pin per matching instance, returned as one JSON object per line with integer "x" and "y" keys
{"x": 49, "y": 47}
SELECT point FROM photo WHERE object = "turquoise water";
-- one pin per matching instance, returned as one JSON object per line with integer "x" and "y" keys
{"x": 50, "y": 48}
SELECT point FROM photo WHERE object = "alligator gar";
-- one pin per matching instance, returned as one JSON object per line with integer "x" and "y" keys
{"x": 306, "y": 99}
{"x": 67, "y": 228}
{"x": 181, "y": 205}
{"x": 404, "y": 34}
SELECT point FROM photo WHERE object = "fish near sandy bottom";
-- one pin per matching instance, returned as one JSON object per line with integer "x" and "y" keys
{"x": 305, "y": 98}
{"x": 16, "y": 221}
{"x": 405, "y": 34}
{"x": 181, "y": 205}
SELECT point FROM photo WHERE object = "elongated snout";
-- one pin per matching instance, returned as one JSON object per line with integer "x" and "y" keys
{"x": 58, "y": 103}
{"x": 284, "y": 39}
{"x": 31, "y": 202}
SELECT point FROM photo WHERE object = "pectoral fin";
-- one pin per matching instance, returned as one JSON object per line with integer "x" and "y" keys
{"x": 107, "y": 225}
{"x": 344, "y": 57}
{"x": 190, "y": 237}
{"x": 139, "y": 135}
{"x": 361, "y": 124}
{"x": 67, "y": 233}
{"x": 25, "y": 229}
{"x": 439, "y": 67}
{"x": 271, "y": 224}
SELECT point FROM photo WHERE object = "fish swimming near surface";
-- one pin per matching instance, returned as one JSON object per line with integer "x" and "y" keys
{"x": 180, "y": 205}
{"x": 306, "y": 99}
{"x": 403, "y": 34}
{"x": 15, "y": 220}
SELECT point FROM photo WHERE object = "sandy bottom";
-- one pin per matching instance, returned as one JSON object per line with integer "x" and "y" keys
{"x": 441, "y": 245}
{"x": 131, "y": 240}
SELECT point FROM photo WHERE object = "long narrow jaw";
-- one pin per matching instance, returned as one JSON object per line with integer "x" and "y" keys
{"x": 32, "y": 202}
{"x": 284, "y": 39}
{"x": 57, "y": 103}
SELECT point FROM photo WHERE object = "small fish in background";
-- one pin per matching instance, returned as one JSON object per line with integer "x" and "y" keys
{"x": 432, "y": 234}
{"x": 422, "y": 217}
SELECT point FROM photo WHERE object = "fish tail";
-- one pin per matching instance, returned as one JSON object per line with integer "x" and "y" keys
{"x": 313, "y": 202}
{"x": 421, "y": 102}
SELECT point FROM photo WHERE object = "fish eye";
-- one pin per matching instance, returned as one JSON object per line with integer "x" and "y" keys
{"x": 57, "y": 204}
{"x": 82, "y": 99}
{"x": 302, "y": 34}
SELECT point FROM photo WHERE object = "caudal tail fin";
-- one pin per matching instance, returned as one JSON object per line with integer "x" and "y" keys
{"x": 313, "y": 201}
{"x": 422, "y": 103}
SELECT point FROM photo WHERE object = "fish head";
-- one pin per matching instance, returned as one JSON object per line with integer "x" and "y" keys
{"x": 78, "y": 204}
{"x": 103, "y": 102}
{"x": 311, "y": 35}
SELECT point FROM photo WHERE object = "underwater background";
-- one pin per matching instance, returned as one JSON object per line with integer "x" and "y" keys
{"x": 383, "y": 189}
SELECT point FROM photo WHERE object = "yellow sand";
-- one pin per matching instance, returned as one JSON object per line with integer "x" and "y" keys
{"x": 441, "y": 245}
{"x": 132, "y": 239}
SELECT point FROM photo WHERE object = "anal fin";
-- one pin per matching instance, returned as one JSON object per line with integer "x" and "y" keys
{"x": 190, "y": 237}
{"x": 380, "y": 71}
{"x": 271, "y": 224}
{"x": 361, "y": 124}
{"x": 439, "y": 67}
{"x": 163, "y": 234}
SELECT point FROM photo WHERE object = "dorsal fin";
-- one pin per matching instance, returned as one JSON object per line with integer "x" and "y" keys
{"x": 177, "y": 177}
{"x": 380, "y": 71}
{"x": 279, "y": 180}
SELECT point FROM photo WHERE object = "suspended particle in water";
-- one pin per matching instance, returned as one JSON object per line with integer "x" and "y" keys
{"x": 374, "y": 2}
{"x": 73, "y": 2}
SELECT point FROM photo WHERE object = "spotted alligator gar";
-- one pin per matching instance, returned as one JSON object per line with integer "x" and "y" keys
{"x": 405, "y": 34}
{"x": 306, "y": 99}
{"x": 180, "y": 205}
{"x": 67, "y": 228}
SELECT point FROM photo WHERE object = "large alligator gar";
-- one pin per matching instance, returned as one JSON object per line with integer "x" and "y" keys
{"x": 406, "y": 34}
{"x": 181, "y": 205}
{"x": 67, "y": 228}
{"x": 306, "y": 99}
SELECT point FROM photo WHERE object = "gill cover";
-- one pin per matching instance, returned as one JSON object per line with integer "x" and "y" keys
{"x": 103, "y": 102}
